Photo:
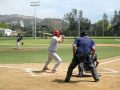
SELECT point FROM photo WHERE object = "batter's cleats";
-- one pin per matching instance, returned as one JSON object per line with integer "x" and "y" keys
{"x": 45, "y": 69}
{"x": 97, "y": 80}
{"x": 67, "y": 81}
{"x": 99, "y": 75}
{"x": 53, "y": 70}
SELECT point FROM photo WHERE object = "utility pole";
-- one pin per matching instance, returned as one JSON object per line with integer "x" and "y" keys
{"x": 103, "y": 27}
{"x": 34, "y": 4}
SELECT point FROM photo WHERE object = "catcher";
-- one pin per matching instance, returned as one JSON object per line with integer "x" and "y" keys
{"x": 84, "y": 67}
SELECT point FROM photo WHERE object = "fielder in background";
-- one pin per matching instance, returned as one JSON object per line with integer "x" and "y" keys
{"x": 19, "y": 39}
{"x": 52, "y": 54}
{"x": 82, "y": 47}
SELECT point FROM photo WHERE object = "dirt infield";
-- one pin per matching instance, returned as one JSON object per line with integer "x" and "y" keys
{"x": 30, "y": 77}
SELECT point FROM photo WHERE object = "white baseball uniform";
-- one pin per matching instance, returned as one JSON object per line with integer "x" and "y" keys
{"x": 52, "y": 53}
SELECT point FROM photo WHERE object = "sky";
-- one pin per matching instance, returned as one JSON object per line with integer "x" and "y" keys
{"x": 92, "y": 9}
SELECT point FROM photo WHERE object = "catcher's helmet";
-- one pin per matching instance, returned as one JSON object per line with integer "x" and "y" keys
{"x": 56, "y": 32}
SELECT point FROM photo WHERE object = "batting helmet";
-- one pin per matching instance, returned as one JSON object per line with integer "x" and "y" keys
{"x": 56, "y": 32}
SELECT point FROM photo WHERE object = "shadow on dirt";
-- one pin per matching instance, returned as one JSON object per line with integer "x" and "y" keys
{"x": 82, "y": 76}
{"x": 38, "y": 71}
{"x": 62, "y": 81}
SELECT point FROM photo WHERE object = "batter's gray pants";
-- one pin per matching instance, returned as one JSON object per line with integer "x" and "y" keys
{"x": 56, "y": 57}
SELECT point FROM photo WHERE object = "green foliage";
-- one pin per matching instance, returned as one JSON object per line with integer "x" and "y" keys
{"x": 116, "y": 23}
{"x": 3, "y": 25}
{"x": 76, "y": 22}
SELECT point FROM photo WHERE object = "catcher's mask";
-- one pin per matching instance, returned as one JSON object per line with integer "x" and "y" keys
{"x": 56, "y": 32}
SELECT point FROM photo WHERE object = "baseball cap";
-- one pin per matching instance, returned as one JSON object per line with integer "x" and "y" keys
{"x": 83, "y": 34}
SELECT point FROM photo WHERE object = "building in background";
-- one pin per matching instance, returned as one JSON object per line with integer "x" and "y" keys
{"x": 6, "y": 32}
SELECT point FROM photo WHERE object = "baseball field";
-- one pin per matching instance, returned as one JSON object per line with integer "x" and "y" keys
{"x": 22, "y": 69}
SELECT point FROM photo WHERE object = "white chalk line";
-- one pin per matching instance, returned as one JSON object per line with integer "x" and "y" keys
{"x": 14, "y": 67}
{"x": 108, "y": 69}
{"x": 109, "y": 61}
{"x": 30, "y": 70}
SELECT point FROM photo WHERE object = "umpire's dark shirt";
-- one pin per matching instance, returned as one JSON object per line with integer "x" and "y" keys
{"x": 84, "y": 44}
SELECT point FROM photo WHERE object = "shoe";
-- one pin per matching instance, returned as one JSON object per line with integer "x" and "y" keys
{"x": 53, "y": 70}
{"x": 80, "y": 75}
{"x": 99, "y": 75}
{"x": 97, "y": 80}
{"x": 45, "y": 69}
{"x": 67, "y": 81}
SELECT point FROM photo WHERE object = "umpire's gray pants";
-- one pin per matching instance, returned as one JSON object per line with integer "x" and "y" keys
{"x": 76, "y": 61}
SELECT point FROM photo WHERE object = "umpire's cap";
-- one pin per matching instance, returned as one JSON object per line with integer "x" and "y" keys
{"x": 83, "y": 34}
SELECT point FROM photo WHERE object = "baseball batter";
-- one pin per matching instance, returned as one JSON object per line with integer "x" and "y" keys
{"x": 55, "y": 40}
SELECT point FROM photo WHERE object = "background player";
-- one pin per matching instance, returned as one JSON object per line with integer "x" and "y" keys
{"x": 19, "y": 38}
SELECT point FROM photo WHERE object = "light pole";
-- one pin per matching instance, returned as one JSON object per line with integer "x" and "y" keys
{"x": 35, "y": 4}
{"x": 103, "y": 27}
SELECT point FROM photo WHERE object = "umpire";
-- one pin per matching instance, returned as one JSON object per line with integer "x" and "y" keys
{"x": 82, "y": 47}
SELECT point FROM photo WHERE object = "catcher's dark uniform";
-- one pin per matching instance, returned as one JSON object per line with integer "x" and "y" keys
{"x": 84, "y": 46}
{"x": 84, "y": 66}
{"x": 19, "y": 38}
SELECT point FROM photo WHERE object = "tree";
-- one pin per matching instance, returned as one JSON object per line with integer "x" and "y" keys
{"x": 101, "y": 26}
{"x": 116, "y": 23}
{"x": 4, "y": 25}
{"x": 71, "y": 17}
{"x": 77, "y": 22}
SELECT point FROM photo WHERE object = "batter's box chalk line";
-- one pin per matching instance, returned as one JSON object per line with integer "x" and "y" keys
{"x": 108, "y": 69}
{"x": 30, "y": 71}
{"x": 34, "y": 72}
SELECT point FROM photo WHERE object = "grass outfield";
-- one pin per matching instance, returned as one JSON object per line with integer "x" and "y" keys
{"x": 35, "y": 50}
{"x": 12, "y": 41}
{"x": 39, "y": 54}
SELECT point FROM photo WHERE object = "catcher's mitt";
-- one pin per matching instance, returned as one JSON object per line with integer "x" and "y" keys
{"x": 22, "y": 43}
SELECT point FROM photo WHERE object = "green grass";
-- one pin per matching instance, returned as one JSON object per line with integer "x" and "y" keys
{"x": 107, "y": 41}
{"x": 39, "y": 54}
{"x": 107, "y": 52}
{"x": 23, "y": 56}
{"x": 27, "y": 41}
{"x": 35, "y": 50}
